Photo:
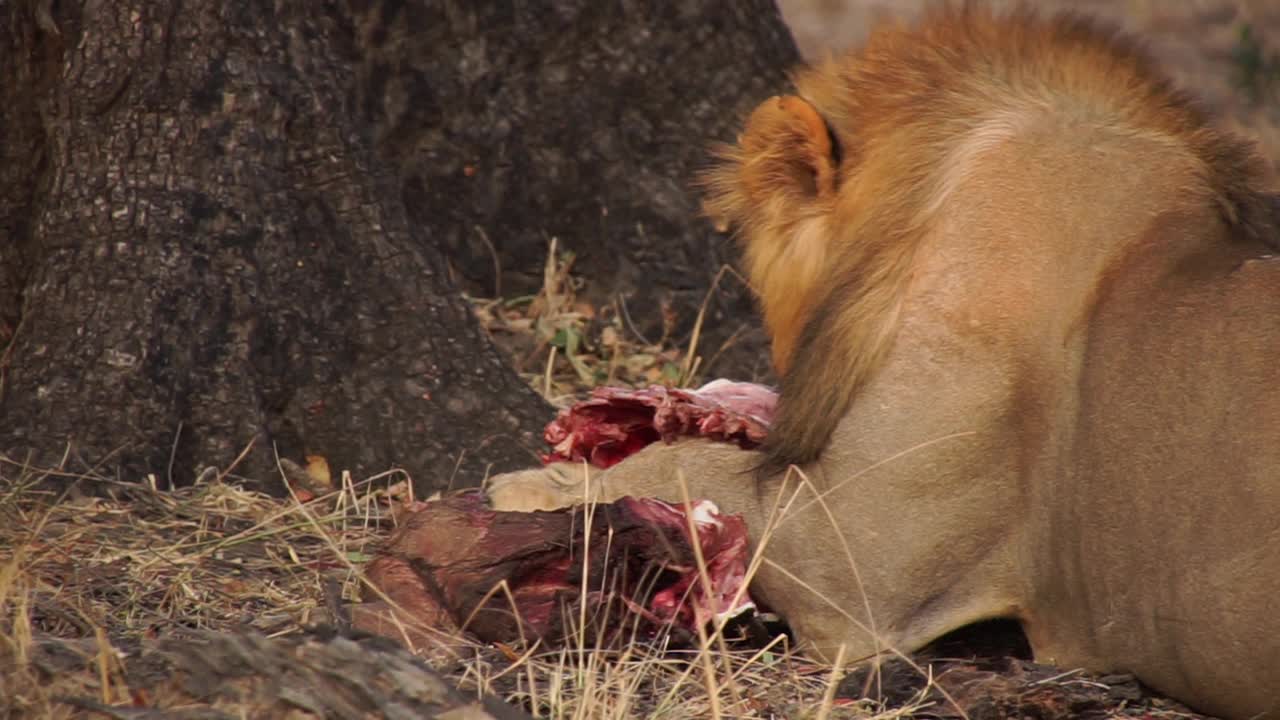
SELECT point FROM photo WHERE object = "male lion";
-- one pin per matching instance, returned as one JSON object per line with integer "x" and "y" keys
{"x": 1027, "y": 325}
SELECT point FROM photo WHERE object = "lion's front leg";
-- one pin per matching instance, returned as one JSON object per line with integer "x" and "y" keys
{"x": 697, "y": 469}
{"x": 803, "y": 577}
{"x": 551, "y": 487}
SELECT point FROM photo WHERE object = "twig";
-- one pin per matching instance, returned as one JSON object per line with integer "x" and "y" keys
{"x": 497, "y": 261}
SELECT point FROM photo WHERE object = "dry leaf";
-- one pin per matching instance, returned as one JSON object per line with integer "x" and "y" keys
{"x": 318, "y": 473}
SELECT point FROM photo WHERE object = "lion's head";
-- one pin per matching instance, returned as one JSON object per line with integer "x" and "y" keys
{"x": 834, "y": 189}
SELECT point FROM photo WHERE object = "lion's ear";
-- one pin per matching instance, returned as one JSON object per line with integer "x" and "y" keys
{"x": 788, "y": 141}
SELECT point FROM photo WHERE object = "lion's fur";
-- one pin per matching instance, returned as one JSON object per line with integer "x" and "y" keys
{"x": 1024, "y": 303}
{"x": 831, "y": 268}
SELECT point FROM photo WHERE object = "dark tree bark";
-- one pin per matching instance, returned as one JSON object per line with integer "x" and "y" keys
{"x": 215, "y": 257}
{"x": 205, "y": 249}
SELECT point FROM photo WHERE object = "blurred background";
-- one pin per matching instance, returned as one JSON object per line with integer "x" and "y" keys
{"x": 1223, "y": 50}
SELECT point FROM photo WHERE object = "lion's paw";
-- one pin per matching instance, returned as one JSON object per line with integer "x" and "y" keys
{"x": 546, "y": 488}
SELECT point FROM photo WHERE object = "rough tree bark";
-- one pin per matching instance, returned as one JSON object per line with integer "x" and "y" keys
{"x": 213, "y": 256}
{"x": 205, "y": 248}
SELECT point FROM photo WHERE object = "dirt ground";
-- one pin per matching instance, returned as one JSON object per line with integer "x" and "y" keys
{"x": 1199, "y": 41}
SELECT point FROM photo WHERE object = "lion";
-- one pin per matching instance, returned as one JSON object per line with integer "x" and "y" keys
{"x": 1024, "y": 311}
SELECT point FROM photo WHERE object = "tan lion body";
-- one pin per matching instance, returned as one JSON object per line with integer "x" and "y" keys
{"x": 1028, "y": 328}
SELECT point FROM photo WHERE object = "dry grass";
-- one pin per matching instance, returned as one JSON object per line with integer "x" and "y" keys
{"x": 144, "y": 565}
{"x": 119, "y": 573}
{"x": 113, "y": 574}
{"x": 563, "y": 346}
{"x": 132, "y": 566}
{"x": 111, "y": 577}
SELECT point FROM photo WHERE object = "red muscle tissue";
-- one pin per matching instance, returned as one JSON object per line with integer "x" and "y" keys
{"x": 443, "y": 565}
{"x": 616, "y": 422}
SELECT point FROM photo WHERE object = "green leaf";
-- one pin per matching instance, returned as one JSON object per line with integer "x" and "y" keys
{"x": 671, "y": 372}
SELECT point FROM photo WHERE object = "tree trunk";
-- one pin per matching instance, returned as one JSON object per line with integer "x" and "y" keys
{"x": 217, "y": 258}
{"x": 207, "y": 254}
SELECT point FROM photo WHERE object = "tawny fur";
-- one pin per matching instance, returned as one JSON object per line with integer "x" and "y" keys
{"x": 1038, "y": 292}
{"x": 831, "y": 265}
{"x": 1023, "y": 299}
